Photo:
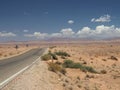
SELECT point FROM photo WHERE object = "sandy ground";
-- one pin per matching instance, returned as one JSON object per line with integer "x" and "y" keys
{"x": 7, "y": 51}
{"x": 96, "y": 55}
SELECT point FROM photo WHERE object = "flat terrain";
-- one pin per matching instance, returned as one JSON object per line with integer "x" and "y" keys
{"x": 96, "y": 55}
{"x": 8, "y": 50}
{"x": 104, "y": 57}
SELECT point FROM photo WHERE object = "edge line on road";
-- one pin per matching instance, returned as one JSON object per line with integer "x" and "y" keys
{"x": 5, "y": 82}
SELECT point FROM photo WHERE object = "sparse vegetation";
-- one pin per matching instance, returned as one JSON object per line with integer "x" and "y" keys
{"x": 89, "y": 76}
{"x": 84, "y": 59}
{"x": 103, "y": 71}
{"x": 80, "y": 64}
{"x": 89, "y": 69}
{"x": 79, "y": 86}
{"x": 27, "y": 45}
{"x": 71, "y": 64}
{"x": 104, "y": 59}
{"x": 52, "y": 47}
{"x": 49, "y": 56}
{"x": 46, "y": 57}
{"x": 16, "y": 47}
{"x": 68, "y": 63}
{"x": 64, "y": 84}
{"x": 61, "y": 53}
{"x": 84, "y": 62}
{"x": 56, "y": 68}
{"x": 63, "y": 57}
{"x": 59, "y": 63}
{"x": 53, "y": 56}
{"x": 113, "y": 58}
{"x": 78, "y": 77}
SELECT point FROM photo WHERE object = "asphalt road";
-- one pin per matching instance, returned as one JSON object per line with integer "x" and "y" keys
{"x": 11, "y": 66}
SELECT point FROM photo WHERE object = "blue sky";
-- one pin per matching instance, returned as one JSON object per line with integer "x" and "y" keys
{"x": 38, "y": 19}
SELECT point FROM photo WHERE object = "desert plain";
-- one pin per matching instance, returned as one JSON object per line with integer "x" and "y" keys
{"x": 103, "y": 57}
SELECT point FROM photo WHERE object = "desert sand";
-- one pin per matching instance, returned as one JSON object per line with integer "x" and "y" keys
{"x": 9, "y": 50}
{"x": 97, "y": 55}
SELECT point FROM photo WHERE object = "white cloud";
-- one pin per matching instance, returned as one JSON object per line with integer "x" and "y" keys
{"x": 56, "y": 35}
{"x": 105, "y": 18}
{"x": 37, "y": 35}
{"x": 64, "y": 33}
{"x": 70, "y": 21}
{"x": 99, "y": 32}
{"x": 25, "y": 30}
{"x": 84, "y": 32}
{"x": 7, "y": 34}
{"x": 68, "y": 32}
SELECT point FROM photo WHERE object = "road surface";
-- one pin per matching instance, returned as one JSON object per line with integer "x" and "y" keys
{"x": 10, "y": 66}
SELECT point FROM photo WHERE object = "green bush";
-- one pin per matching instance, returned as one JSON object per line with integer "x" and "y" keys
{"x": 49, "y": 56}
{"x": 46, "y": 57}
{"x": 56, "y": 68}
{"x": 68, "y": 63}
{"x": 77, "y": 65}
{"x": 61, "y": 53}
{"x": 53, "y": 56}
{"x": 71, "y": 64}
{"x": 89, "y": 69}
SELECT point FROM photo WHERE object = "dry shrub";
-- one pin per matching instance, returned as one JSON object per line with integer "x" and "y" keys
{"x": 113, "y": 58}
{"x": 103, "y": 71}
{"x": 61, "y": 53}
{"x": 46, "y": 57}
{"x": 56, "y": 68}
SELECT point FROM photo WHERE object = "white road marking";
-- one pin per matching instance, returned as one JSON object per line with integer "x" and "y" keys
{"x": 10, "y": 78}
{"x": 5, "y": 82}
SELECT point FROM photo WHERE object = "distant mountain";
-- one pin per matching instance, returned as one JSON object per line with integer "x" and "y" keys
{"x": 50, "y": 40}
